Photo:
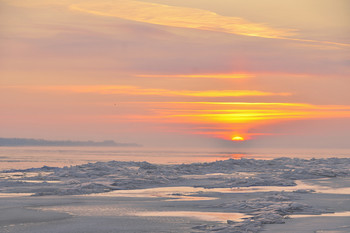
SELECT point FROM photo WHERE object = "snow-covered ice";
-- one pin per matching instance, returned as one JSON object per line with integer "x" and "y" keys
{"x": 259, "y": 192}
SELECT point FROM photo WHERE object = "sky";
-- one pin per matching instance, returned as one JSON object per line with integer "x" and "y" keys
{"x": 177, "y": 73}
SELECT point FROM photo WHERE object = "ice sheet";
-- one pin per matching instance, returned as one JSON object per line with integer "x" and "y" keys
{"x": 265, "y": 191}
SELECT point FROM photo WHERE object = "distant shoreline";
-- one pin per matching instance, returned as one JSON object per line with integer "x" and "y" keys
{"x": 21, "y": 142}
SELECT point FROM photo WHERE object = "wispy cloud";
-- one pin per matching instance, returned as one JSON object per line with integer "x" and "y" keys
{"x": 184, "y": 17}
{"x": 242, "y": 112}
{"x": 134, "y": 90}
{"x": 214, "y": 76}
{"x": 226, "y": 119}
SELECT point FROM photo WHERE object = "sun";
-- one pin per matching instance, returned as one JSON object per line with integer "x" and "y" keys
{"x": 237, "y": 138}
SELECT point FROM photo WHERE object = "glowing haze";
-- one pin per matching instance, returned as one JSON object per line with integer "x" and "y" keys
{"x": 238, "y": 73}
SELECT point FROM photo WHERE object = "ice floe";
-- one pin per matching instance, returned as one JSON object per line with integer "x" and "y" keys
{"x": 230, "y": 175}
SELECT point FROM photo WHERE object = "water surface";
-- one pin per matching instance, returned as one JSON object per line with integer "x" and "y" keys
{"x": 28, "y": 157}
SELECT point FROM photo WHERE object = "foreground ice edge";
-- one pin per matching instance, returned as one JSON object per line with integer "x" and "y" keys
{"x": 272, "y": 207}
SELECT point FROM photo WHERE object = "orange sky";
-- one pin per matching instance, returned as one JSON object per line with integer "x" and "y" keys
{"x": 177, "y": 73}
